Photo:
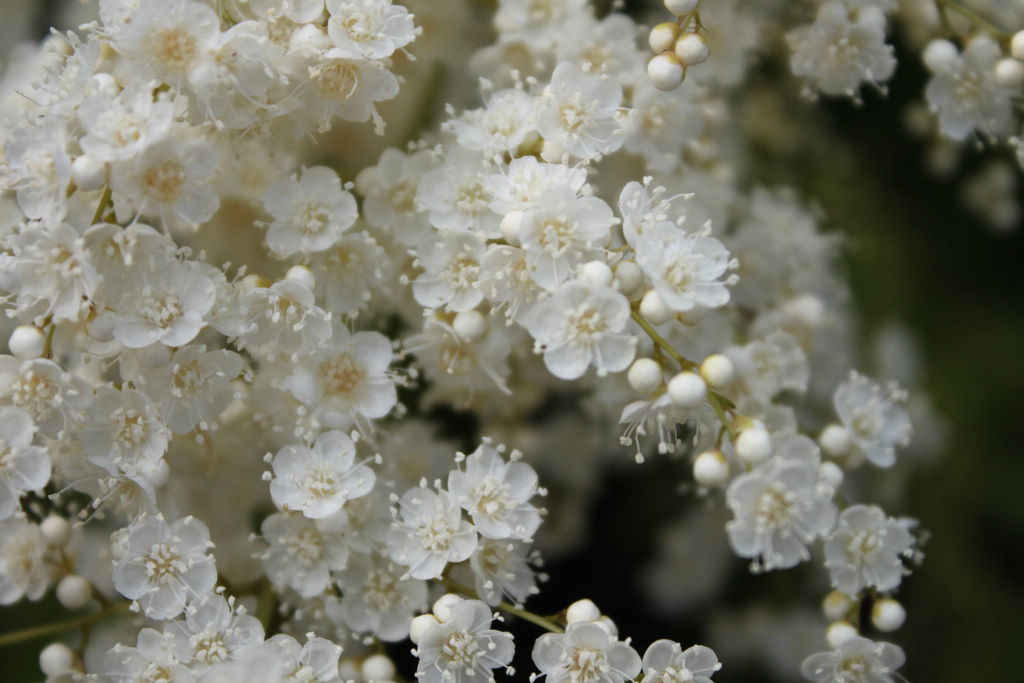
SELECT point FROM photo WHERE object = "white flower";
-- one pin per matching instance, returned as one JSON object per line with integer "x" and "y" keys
{"x": 686, "y": 269}
{"x": 167, "y": 38}
{"x": 377, "y": 598}
{"x": 38, "y": 168}
{"x": 169, "y": 179}
{"x": 666, "y": 662}
{"x": 965, "y": 95}
{"x": 389, "y": 189}
{"x": 580, "y": 112}
{"x": 368, "y": 29}
{"x": 606, "y": 47}
{"x": 284, "y": 319}
{"x": 316, "y": 661}
{"x": 452, "y": 277}
{"x": 124, "y": 434}
{"x": 119, "y": 127}
{"x": 521, "y": 185}
{"x": 347, "y": 382}
{"x": 455, "y": 195}
{"x": 562, "y": 231}
{"x": 301, "y": 555}
{"x": 167, "y": 306}
{"x": 496, "y": 494}
{"x": 24, "y": 566}
{"x": 463, "y": 647}
{"x": 317, "y": 481}
{"x": 579, "y": 326}
{"x": 501, "y": 126}
{"x": 865, "y": 550}
{"x": 500, "y": 569}
{"x": 876, "y": 421}
{"x": 151, "y": 657}
{"x": 839, "y": 52}
{"x": 348, "y": 88}
{"x": 310, "y": 211}
{"x": 350, "y": 272}
{"x": 587, "y": 651}
{"x": 768, "y": 366}
{"x": 54, "y": 398}
{"x": 212, "y": 632}
{"x": 163, "y": 566}
{"x": 23, "y": 467}
{"x": 193, "y": 387}
{"x": 49, "y": 264}
{"x": 858, "y": 660}
{"x": 778, "y": 509}
{"x": 429, "y": 532}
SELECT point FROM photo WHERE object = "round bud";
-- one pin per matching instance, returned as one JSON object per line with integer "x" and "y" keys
{"x": 839, "y": 632}
{"x": 56, "y": 659}
{"x": 1017, "y": 46}
{"x": 74, "y": 591}
{"x": 378, "y": 668}
{"x": 644, "y": 375}
{"x": 687, "y": 390}
{"x": 444, "y": 604}
{"x": 349, "y": 669}
{"x": 888, "y": 615}
{"x": 940, "y": 55}
{"x": 88, "y": 172}
{"x": 628, "y": 277}
{"x": 582, "y": 610}
{"x": 835, "y": 440}
{"x": 711, "y": 469}
{"x": 681, "y": 6}
{"x": 595, "y": 274}
{"x": 836, "y": 605}
{"x": 665, "y": 71}
{"x": 831, "y": 473}
{"x": 302, "y": 274}
{"x": 1010, "y": 73}
{"x": 692, "y": 48}
{"x": 654, "y": 309}
{"x": 754, "y": 445}
{"x": 663, "y": 36}
{"x": 807, "y": 310}
{"x": 718, "y": 370}
{"x": 419, "y": 625}
{"x": 609, "y": 626}
{"x": 469, "y": 325}
{"x": 510, "y": 227}
{"x": 56, "y": 531}
{"x": 26, "y": 342}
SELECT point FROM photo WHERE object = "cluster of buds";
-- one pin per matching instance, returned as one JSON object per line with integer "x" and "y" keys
{"x": 677, "y": 44}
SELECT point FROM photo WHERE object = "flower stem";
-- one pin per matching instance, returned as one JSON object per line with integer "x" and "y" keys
{"x": 526, "y": 615}
{"x": 973, "y": 17}
{"x": 104, "y": 203}
{"x": 61, "y": 626}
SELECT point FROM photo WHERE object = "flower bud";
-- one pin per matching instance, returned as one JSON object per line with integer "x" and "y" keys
{"x": 444, "y": 604}
{"x": 663, "y": 36}
{"x": 74, "y": 591}
{"x": 939, "y": 55}
{"x": 692, "y": 48}
{"x": 835, "y": 440}
{"x": 469, "y": 325}
{"x": 26, "y": 342}
{"x": 419, "y": 625}
{"x": 718, "y": 370}
{"x": 711, "y": 469}
{"x": 510, "y": 227}
{"x": 378, "y": 668}
{"x": 836, "y": 605}
{"x": 1017, "y": 46}
{"x": 628, "y": 277}
{"x": 654, "y": 309}
{"x": 687, "y": 390}
{"x": 595, "y": 274}
{"x": 754, "y": 445}
{"x": 582, "y": 610}
{"x": 56, "y": 659}
{"x": 644, "y": 375}
{"x": 303, "y": 275}
{"x": 665, "y": 71}
{"x": 888, "y": 615}
{"x": 56, "y": 531}
{"x": 681, "y": 6}
{"x": 1010, "y": 73}
{"x": 88, "y": 173}
{"x": 839, "y": 632}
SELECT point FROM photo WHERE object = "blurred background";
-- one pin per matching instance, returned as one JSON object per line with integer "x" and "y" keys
{"x": 933, "y": 254}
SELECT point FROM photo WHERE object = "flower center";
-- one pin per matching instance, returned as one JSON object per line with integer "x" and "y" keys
{"x": 164, "y": 182}
{"x": 342, "y": 375}
{"x": 175, "y": 49}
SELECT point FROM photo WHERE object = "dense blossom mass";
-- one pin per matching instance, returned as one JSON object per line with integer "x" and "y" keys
{"x": 250, "y": 250}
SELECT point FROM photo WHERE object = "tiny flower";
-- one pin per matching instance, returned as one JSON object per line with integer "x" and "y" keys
{"x": 587, "y": 651}
{"x": 317, "y": 481}
{"x": 666, "y": 662}
{"x": 496, "y": 494}
{"x": 429, "y": 533}
{"x": 876, "y": 421}
{"x": 23, "y": 467}
{"x": 858, "y": 660}
{"x": 310, "y": 210}
{"x": 463, "y": 647}
{"x": 865, "y": 550}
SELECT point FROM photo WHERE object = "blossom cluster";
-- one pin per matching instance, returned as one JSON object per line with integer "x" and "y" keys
{"x": 233, "y": 322}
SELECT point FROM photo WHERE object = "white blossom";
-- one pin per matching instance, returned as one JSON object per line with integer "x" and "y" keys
{"x": 318, "y": 480}
{"x": 865, "y": 550}
{"x": 463, "y": 647}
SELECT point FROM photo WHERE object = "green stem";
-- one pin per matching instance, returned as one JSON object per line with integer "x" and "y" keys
{"x": 105, "y": 201}
{"x": 972, "y": 16}
{"x": 266, "y": 605}
{"x": 686, "y": 364}
{"x": 48, "y": 346}
{"x": 526, "y": 615}
{"x": 61, "y": 626}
